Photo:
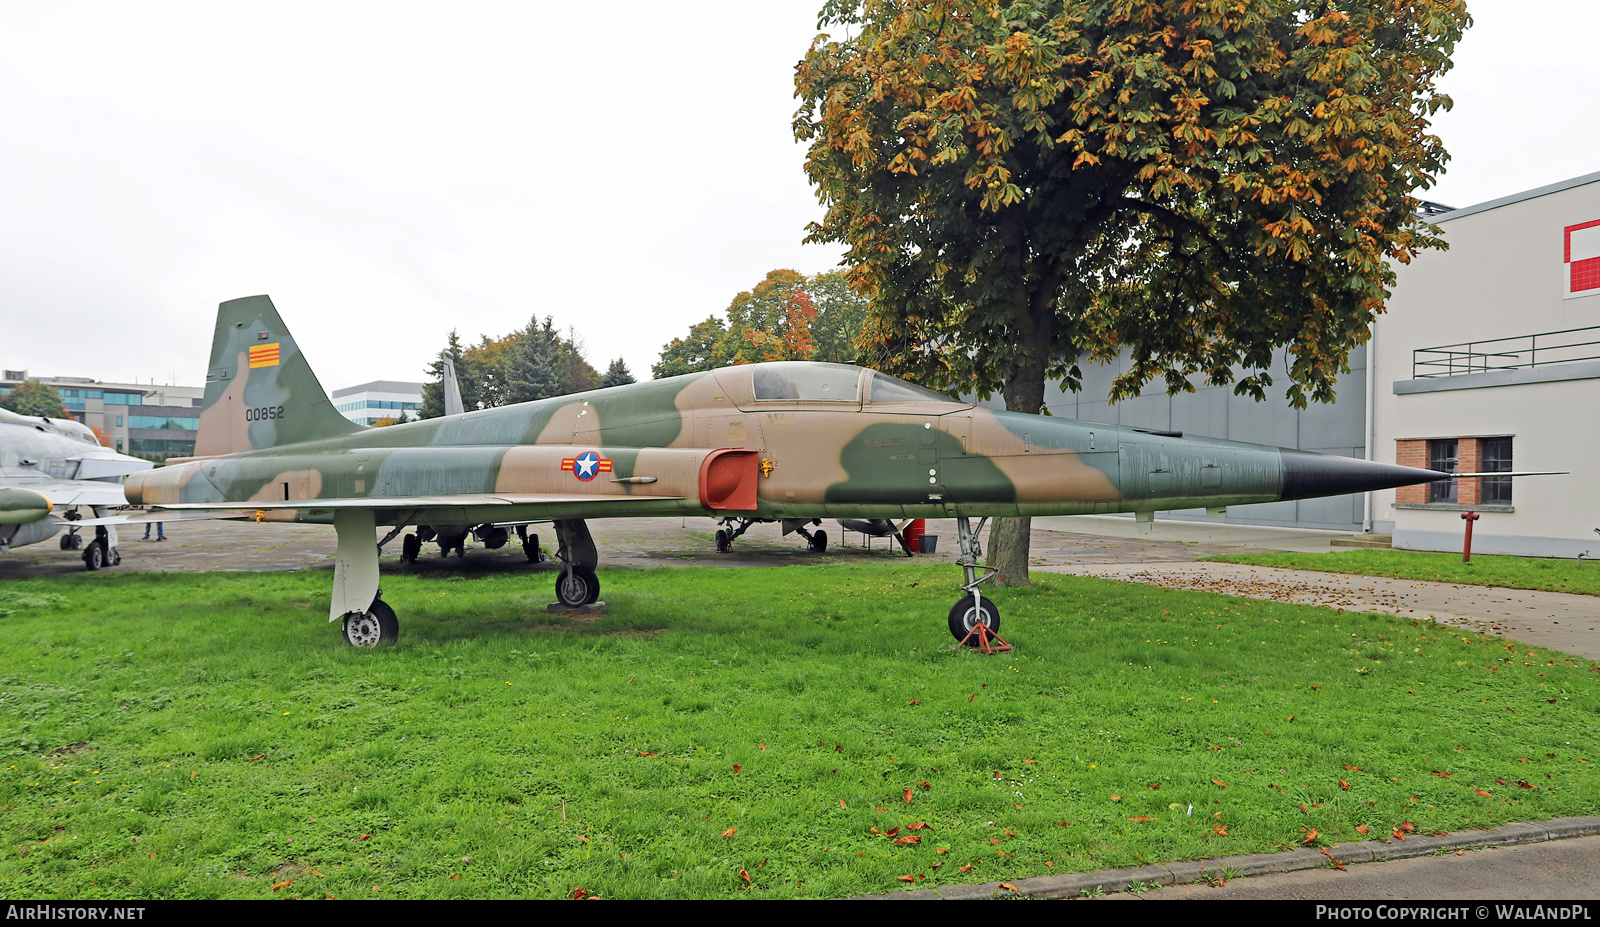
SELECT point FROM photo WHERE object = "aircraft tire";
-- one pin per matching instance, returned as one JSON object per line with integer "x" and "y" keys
{"x": 819, "y": 542}
{"x": 410, "y": 548}
{"x": 964, "y": 615}
{"x": 578, "y": 587}
{"x": 377, "y": 625}
{"x": 116, "y": 557}
{"x": 66, "y": 542}
{"x": 724, "y": 545}
{"x": 94, "y": 556}
{"x": 530, "y": 548}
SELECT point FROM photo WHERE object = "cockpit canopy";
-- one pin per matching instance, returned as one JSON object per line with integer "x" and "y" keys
{"x": 807, "y": 384}
{"x": 65, "y": 427}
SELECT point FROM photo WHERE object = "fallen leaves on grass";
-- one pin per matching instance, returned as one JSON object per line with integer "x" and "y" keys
{"x": 1219, "y": 783}
{"x": 906, "y": 794}
{"x": 1336, "y": 864}
{"x": 729, "y": 832}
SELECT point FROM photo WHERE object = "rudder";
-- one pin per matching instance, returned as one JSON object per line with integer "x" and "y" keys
{"x": 260, "y": 392}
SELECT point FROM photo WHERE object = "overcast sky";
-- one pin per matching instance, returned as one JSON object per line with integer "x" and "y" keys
{"x": 390, "y": 171}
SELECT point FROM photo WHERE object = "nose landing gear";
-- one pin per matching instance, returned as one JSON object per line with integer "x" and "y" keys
{"x": 974, "y": 620}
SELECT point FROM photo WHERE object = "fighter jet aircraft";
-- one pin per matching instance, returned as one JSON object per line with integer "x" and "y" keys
{"x": 52, "y": 471}
{"x": 793, "y": 440}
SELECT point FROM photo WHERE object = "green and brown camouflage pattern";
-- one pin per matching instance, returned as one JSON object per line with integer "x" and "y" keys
{"x": 270, "y": 436}
{"x": 778, "y": 441}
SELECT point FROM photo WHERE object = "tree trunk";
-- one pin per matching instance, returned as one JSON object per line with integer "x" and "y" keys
{"x": 1008, "y": 550}
{"x": 1009, "y": 538}
{"x": 1035, "y": 306}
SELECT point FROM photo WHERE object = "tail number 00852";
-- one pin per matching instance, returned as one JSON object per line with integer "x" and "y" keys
{"x": 263, "y": 413}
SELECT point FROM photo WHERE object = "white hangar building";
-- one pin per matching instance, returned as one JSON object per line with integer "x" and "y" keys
{"x": 1488, "y": 359}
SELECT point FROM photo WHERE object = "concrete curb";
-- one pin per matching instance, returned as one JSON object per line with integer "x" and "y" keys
{"x": 1182, "y": 873}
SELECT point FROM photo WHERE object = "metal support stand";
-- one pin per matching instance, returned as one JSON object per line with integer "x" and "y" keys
{"x": 986, "y": 642}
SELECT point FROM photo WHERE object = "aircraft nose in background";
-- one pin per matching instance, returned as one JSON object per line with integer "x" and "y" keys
{"x": 1307, "y": 475}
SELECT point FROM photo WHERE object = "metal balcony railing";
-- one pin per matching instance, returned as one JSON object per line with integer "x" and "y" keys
{"x": 1516, "y": 353}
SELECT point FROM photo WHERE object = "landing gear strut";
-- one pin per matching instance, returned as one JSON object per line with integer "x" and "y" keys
{"x": 102, "y": 551}
{"x": 356, "y": 601}
{"x": 818, "y": 540}
{"x": 974, "y": 620}
{"x": 530, "y": 545}
{"x": 577, "y": 585}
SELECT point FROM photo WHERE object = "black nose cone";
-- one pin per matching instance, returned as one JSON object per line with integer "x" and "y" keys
{"x": 1307, "y": 475}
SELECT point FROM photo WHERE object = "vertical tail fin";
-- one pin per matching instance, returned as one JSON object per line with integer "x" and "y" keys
{"x": 452, "y": 388}
{"x": 260, "y": 392}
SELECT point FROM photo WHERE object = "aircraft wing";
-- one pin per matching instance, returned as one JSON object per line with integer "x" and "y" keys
{"x": 66, "y": 493}
{"x": 464, "y": 508}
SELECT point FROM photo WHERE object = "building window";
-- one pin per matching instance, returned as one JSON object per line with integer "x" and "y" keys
{"x": 1495, "y": 457}
{"x": 1442, "y": 457}
{"x": 1458, "y": 455}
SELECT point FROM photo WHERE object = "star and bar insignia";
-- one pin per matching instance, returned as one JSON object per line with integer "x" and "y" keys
{"x": 586, "y": 466}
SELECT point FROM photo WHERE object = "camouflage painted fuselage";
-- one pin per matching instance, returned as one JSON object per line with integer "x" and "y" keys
{"x": 847, "y": 457}
{"x": 781, "y": 440}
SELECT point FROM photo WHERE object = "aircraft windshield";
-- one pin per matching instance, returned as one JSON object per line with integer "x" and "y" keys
{"x": 884, "y": 388}
{"x": 806, "y": 383}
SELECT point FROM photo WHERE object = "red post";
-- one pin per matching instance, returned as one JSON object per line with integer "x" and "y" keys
{"x": 1466, "y": 548}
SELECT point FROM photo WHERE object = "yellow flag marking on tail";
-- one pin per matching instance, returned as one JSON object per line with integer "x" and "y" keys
{"x": 263, "y": 355}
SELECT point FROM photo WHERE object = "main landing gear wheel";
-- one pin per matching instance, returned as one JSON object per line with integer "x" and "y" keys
{"x": 724, "y": 542}
{"x": 819, "y": 542}
{"x": 410, "y": 548}
{"x": 530, "y": 548}
{"x": 94, "y": 556}
{"x": 970, "y": 612}
{"x": 373, "y": 627}
{"x": 577, "y": 586}
{"x": 116, "y": 557}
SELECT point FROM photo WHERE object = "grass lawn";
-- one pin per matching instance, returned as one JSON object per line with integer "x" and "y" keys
{"x": 1510, "y": 572}
{"x": 732, "y": 733}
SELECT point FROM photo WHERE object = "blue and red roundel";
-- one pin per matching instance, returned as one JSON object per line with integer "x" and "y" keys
{"x": 586, "y": 466}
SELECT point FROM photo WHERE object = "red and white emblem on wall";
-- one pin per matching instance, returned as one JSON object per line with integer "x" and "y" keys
{"x": 1581, "y": 252}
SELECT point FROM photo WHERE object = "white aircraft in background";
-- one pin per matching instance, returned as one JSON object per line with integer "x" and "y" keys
{"x": 53, "y": 474}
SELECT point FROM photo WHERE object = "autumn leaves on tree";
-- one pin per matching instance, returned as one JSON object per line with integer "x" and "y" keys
{"x": 1192, "y": 184}
{"x": 534, "y": 362}
{"x": 787, "y": 316}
